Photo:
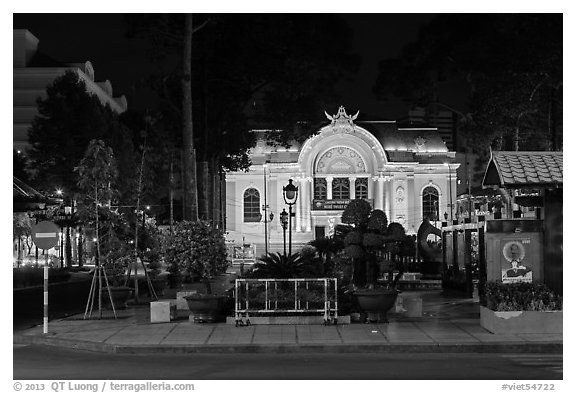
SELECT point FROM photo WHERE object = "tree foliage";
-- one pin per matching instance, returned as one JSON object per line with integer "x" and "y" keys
{"x": 197, "y": 249}
{"x": 97, "y": 174}
{"x": 69, "y": 118}
{"x": 367, "y": 235}
{"x": 284, "y": 74}
{"x": 512, "y": 64}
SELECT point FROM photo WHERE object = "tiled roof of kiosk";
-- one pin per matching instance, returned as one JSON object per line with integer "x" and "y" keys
{"x": 524, "y": 168}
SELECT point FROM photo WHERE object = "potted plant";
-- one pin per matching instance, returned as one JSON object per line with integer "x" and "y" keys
{"x": 520, "y": 308}
{"x": 197, "y": 249}
{"x": 367, "y": 236}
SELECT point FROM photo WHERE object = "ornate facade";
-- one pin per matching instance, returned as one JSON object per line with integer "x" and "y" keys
{"x": 406, "y": 172}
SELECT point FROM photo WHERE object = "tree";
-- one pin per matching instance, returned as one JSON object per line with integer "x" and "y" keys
{"x": 512, "y": 64}
{"x": 96, "y": 176}
{"x": 282, "y": 79}
{"x": 366, "y": 235}
{"x": 69, "y": 118}
{"x": 19, "y": 166}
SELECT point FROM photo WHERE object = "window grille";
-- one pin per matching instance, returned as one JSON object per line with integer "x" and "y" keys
{"x": 430, "y": 203}
{"x": 341, "y": 188}
{"x": 361, "y": 187}
{"x": 320, "y": 189}
{"x": 252, "y": 205}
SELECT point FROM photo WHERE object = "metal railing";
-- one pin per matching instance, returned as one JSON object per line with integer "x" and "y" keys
{"x": 290, "y": 295}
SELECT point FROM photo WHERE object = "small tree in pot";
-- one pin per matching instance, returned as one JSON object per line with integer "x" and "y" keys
{"x": 197, "y": 249}
{"x": 367, "y": 236}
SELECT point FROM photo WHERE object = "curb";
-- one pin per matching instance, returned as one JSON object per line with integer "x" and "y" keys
{"x": 502, "y": 347}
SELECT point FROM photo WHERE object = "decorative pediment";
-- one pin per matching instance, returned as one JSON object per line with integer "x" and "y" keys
{"x": 340, "y": 160}
{"x": 341, "y": 120}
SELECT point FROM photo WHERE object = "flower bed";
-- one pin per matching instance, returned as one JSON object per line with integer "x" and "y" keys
{"x": 520, "y": 308}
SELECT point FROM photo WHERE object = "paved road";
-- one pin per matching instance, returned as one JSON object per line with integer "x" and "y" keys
{"x": 37, "y": 362}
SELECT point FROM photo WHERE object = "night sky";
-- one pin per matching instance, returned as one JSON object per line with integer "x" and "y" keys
{"x": 100, "y": 39}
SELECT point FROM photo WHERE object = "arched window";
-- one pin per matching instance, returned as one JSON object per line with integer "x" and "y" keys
{"x": 361, "y": 187}
{"x": 252, "y": 205}
{"x": 341, "y": 188}
{"x": 320, "y": 188}
{"x": 430, "y": 203}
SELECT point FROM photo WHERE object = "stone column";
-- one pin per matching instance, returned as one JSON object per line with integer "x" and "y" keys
{"x": 329, "y": 187}
{"x": 352, "y": 182}
{"x": 380, "y": 194}
{"x": 307, "y": 203}
{"x": 388, "y": 198}
{"x": 298, "y": 205}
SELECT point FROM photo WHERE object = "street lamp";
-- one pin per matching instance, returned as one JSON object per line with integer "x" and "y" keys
{"x": 266, "y": 221}
{"x": 284, "y": 222}
{"x": 450, "y": 185}
{"x": 290, "y": 193}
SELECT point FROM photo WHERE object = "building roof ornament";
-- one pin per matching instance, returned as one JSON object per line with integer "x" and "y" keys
{"x": 420, "y": 142}
{"x": 341, "y": 118}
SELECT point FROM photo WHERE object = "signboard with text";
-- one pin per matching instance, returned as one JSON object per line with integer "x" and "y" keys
{"x": 334, "y": 204}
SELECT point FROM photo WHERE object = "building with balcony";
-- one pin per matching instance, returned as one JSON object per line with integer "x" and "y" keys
{"x": 34, "y": 71}
{"x": 408, "y": 173}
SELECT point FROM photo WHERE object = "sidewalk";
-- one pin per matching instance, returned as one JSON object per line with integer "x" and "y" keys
{"x": 447, "y": 325}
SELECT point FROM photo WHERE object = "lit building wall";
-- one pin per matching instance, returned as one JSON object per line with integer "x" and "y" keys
{"x": 393, "y": 168}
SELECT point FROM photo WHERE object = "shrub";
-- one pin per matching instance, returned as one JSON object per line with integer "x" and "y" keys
{"x": 520, "y": 297}
{"x": 282, "y": 266}
{"x": 30, "y": 276}
{"x": 116, "y": 270}
{"x": 197, "y": 249}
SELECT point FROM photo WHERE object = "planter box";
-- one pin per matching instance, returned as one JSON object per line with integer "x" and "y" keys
{"x": 513, "y": 322}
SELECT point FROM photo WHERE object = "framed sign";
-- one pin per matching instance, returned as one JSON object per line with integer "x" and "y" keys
{"x": 515, "y": 261}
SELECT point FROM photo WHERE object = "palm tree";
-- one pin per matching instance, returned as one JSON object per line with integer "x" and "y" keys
{"x": 280, "y": 266}
{"x": 326, "y": 248}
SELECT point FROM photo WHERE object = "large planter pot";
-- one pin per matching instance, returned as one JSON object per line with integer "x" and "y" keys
{"x": 204, "y": 308}
{"x": 512, "y": 322}
{"x": 120, "y": 296}
{"x": 376, "y": 302}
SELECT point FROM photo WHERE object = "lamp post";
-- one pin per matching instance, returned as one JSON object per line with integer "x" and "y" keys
{"x": 450, "y": 185}
{"x": 290, "y": 193}
{"x": 267, "y": 219}
{"x": 284, "y": 222}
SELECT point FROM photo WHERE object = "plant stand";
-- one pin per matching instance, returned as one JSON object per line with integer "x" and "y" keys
{"x": 96, "y": 288}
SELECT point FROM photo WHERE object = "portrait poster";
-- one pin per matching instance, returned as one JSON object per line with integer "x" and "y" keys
{"x": 516, "y": 261}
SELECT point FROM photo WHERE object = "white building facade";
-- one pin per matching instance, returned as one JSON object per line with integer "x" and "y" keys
{"x": 406, "y": 172}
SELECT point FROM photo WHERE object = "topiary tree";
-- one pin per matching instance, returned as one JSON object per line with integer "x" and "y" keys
{"x": 367, "y": 235}
{"x": 197, "y": 249}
